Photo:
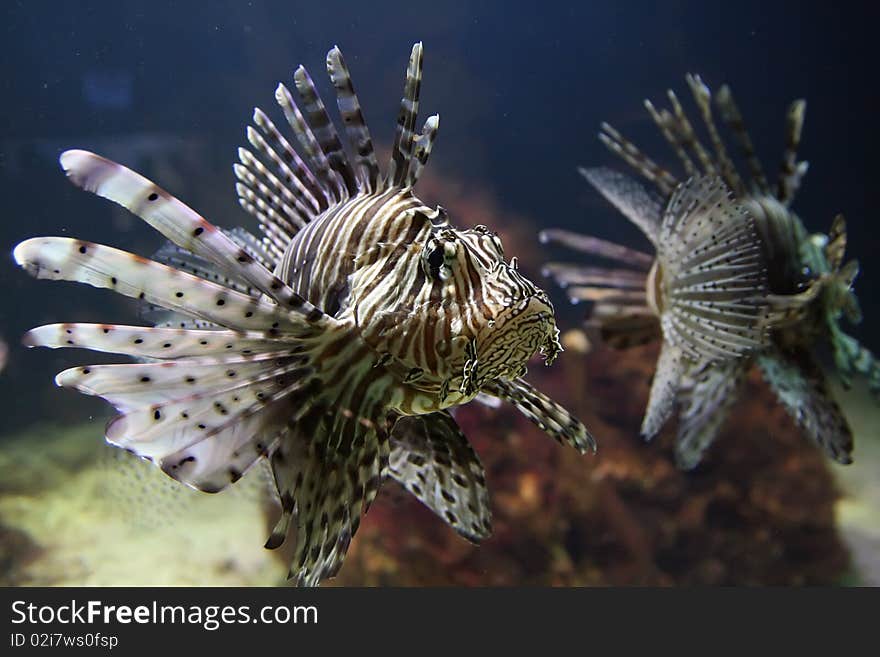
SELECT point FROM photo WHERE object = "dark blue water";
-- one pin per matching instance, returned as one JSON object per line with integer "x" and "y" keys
{"x": 521, "y": 88}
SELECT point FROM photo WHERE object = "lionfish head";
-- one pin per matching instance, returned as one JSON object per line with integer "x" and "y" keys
{"x": 509, "y": 317}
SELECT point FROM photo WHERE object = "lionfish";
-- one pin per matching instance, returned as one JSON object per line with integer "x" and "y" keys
{"x": 806, "y": 287}
{"x": 333, "y": 346}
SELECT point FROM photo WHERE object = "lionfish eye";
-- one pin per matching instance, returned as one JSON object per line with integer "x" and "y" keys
{"x": 437, "y": 258}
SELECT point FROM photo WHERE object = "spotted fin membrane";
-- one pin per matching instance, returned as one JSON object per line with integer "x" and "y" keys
{"x": 718, "y": 337}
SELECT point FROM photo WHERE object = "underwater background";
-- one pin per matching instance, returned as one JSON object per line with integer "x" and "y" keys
{"x": 167, "y": 88}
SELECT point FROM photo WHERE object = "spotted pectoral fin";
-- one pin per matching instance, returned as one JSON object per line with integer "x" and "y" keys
{"x": 713, "y": 273}
{"x": 150, "y": 342}
{"x": 800, "y": 385}
{"x": 328, "y": 467}
{"x": 664, "y": 389}
{"x": 548, "y": 415}
{"x": 707, "y": 393}
{"x": 434, "y": 461}
{"x": 174, "y": 256}
{"x": 62, "y": 258}
{"x": 176, "y": 221}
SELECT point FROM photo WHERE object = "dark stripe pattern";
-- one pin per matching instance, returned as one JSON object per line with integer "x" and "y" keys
{"x": 331, "y": 345}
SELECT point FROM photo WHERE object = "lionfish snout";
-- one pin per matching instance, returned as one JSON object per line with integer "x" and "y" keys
{"x": 524, "y": 327}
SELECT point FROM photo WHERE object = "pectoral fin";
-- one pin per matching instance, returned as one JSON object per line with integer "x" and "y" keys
{"x": 433, "y": 460}
{"x": 800, "y": 385}
{"x": 544, "y": 412}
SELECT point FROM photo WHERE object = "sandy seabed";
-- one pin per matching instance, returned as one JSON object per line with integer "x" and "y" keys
{"x": 74, "y": 511}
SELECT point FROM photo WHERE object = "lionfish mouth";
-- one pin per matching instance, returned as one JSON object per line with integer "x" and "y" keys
{"x": 522, "y": 330}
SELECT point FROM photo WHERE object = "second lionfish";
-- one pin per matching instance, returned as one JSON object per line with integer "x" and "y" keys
{"x": 807, "y": 283}
{"x": 333, "y": 346}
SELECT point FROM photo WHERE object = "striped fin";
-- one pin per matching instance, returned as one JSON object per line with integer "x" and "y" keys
{"x": 275, "y": 227}
{"x": 597, "y": 247}
{"x": 712, "y": 273}
{"x": 703, "y": 98}
{"x": 422, "y": 149}
{"x": 273, "y": 218}
{"x": 630, "y": 154}
{"x": 175, "y": 220}
{"x": 800, "y": 386}
{"x": 433, "y": 460}
{"x": 836, "y": 245}
{"x": 149, "y": 342}
{"x": 172, "y": 255}
{"x": 706, "y": 396}
{"x": 549, "y": 416}
{"x": 304, "y": 192}
{"x": 401, "y": 151}
{"x": 689, "y": 136}
{"x": 294, "y": 192}
{"x": 664, "y": 389}
{"x": 226, "y": 449}
{"x": 294, "y": 207}
{"x": 666, "y": 122}
{"x": 330, "y": 186}
{"x": 61, "y": 258}
{"x": 791, "y": 171}
{"x": 327, "y": 490}
{"x": 637, "y": 204}
{"x": 258, "y": 247}
{"x": 325, "y": 132}
{"x": 366, "y": 165}
{"x": 177, "y": 419}
{"x": 733, "y": 118}
{"x": 136, "y": 386}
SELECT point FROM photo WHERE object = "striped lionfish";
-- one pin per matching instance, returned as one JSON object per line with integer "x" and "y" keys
{"x": 806, "y": 285}
{"x": 333, "y": 346}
